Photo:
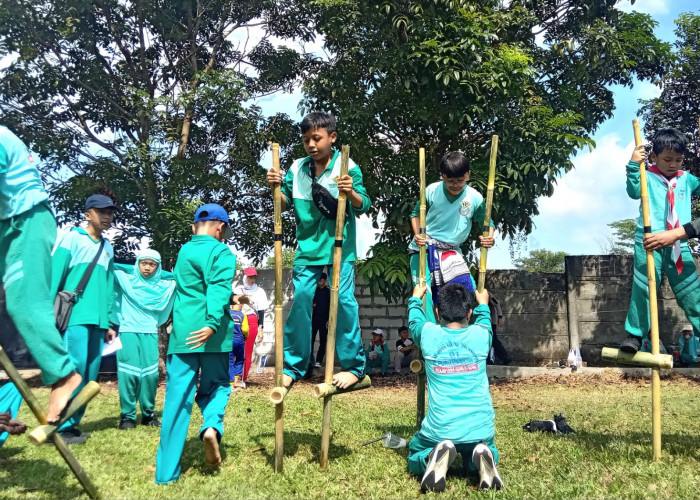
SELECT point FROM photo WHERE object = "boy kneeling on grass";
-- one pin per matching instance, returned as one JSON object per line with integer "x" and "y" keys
{"x": 460, "y": 414}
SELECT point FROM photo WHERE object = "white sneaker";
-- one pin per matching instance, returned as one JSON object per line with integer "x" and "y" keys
{"x": 317, "y": 365}
{"x": 439, "y": 461}
{"x": 486, "y": 465}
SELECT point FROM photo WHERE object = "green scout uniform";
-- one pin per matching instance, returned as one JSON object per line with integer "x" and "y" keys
{"x": 383, "y": 355}
{"x": 204, "y": 276}
{"x": 460, "y": 406}
{"x": 448, "y": 220}
{"x": 27, "y": 235}
{"x": 89, "y": 319}
{"x": 316, "y": 240}
{"x": 689, "y": 350}
{"x": 141, "y": 306}
{"x": 686, "y": 285}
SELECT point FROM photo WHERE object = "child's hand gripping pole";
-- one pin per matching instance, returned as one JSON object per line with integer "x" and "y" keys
{"x": 487, "y": 214}
{"x": 42, "y": 433}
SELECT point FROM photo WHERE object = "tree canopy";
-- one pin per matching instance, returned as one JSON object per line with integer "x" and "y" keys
{"x": 542, "y": 261}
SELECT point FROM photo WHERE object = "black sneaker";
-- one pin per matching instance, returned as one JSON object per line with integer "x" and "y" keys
{"x": 78, "y": 433}
{"x": 486, "y": 465}
{"x": 439, "y": 461}
{"x": 631, "y": 344}
{"x": 152, "y": 420}
{"x": 127, "y": 423}
{"x": 70, "y": 438}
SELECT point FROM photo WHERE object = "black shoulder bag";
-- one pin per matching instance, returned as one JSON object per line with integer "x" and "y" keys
{"x": 326, "y": 203}
{"x": 65, "y": 299}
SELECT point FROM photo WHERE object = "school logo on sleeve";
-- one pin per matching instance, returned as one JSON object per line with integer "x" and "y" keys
{"x": 465, "y": 207}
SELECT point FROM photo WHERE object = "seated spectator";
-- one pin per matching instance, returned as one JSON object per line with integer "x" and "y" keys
{"x": 378, "y": 352}
{"x": 688, "y": 347}
{"x": 405, "y": 350}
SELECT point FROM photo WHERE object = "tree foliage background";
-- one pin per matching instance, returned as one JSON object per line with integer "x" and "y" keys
{"x": 542, "y": 261}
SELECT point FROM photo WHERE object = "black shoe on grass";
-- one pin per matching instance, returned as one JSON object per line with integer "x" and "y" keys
{"x": 439, "y": 461}
{"x": 151, "y": 421}
{"x": 486, "y": 465}
{"x": 127, "y": 423}
{"x": 70, "y": 438}
{"x": 631, "y": 344}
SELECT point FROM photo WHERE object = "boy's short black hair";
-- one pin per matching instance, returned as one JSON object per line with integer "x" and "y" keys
{"x": 454, "y": 164}
{"x": 454, "y": 302}
{"x": 403, "y": 328}
{"x": 318, "y": 120}
{"x": 668, "y": 138}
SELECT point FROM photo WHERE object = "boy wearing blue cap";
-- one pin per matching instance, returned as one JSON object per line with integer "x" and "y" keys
{"x": 200, "y": 342}
{"x": 89, "y": 318}
{"x": 311, "y": 187}
{"x": 143, "y": 301}
{"x": 27, "y": 222}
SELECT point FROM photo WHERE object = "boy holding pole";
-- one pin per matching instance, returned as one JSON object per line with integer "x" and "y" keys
{"x": 670, "y": 192}
{"x": 311, "y": 187}
{"x": 200, "y": 342}
{"x": 452, "y": 206}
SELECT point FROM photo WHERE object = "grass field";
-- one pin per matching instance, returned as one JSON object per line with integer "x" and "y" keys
{"x": 608, "y": 457}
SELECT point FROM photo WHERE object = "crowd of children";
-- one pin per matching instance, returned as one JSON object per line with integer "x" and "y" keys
{"x": 215, "y": 324}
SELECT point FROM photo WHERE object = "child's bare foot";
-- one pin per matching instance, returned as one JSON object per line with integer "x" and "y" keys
{"x": 211, "y": 448}
{"x": 287, "y": 381}
{"x": 343, "y": 380}
{"x": 61, "y": 392}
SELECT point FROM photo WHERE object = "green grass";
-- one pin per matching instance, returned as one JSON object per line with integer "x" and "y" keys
{"x": 609, "y": 457}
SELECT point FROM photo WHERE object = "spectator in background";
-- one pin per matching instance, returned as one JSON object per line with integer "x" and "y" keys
{"x": 378, "y": 352}
{"x": 688, "y": 347}
{"x": 498, "y": 354}
{"x": 319, "y": 319}
{"x": 255, "y": 312}
{"x": 405, "y": 350}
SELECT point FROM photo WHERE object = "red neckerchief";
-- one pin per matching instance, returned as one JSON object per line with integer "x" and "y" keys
{"x": 380, "y": 344}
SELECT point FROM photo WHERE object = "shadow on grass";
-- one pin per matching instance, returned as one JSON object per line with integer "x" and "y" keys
{"x": 294, "y": 440}
{"x": 193, "y": 456}
{"x": 34, "y": 476}
{"x": 102, "y": 424}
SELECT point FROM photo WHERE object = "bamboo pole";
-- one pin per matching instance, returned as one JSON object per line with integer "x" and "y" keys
{"x": 43, "y": 432}
{"x": 325, "y": 389}
{"x": 280, "y": 390}
{"x": 416, "y": 366}
{"x": 420, "y": 375}
{"x": 58, "y": 441}
{"x": 638, "y": 359}
{"x": 333, "y": 311}
{"x": 487, "y": 216}
{"x": 653, "y": 308}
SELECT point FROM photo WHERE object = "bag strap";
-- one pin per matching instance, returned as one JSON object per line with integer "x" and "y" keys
{"x": 88, "y": 272}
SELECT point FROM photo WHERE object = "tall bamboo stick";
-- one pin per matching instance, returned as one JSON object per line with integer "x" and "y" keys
{"x": 333, "y": 311}
{"x": 58, "y": 441}
{"x": 279, "y": 332}
{"x": 420, "y": 375}
{"x": 487, "y": 214}
{"x": 653, "y": 308}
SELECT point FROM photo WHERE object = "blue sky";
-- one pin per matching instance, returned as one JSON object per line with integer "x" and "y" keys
{"x": 592, "y": 195}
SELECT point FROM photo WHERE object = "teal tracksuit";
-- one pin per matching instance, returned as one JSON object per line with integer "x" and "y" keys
{"x": 27, "y": 235}
{"x": 382, "y": 359}
{"x": 689, "y": 350}
{"x": 315, "y": 240}
{"x": 10, "y": 401}
{"x": 204, "y": 275}
{"x": 686, "y": 286}
{"x": 460, "y": 406}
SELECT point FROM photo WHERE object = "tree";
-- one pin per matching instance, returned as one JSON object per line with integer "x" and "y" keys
{"x": 679, "y": 103}
{"x": 447, "y": 74}
{"x": 622, "y": 240}
{"x": 151, "y": 99}
{"x": 287, "y": 259}
{"x": 542, "y": 261}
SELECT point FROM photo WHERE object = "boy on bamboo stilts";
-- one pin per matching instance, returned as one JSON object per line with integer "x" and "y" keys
{"x": 311, "y": 188}
{"x": 200, "y": 342}
{"x": 90, "y": 318}
{"x": 27, "y": 236}
{"x": 670, "y": 192}
{"x": 451, "y": 208}
{"x": 143, "y": 302}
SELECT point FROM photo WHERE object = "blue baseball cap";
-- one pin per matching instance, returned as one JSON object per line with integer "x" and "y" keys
{"x": 99, "y": 201}
{"x": 213, "y": 211}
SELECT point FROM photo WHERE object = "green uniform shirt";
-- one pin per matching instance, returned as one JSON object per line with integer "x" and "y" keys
{"x": 71, "y": 258}
{"x": 316, "y": 233}
{"x": 204, "y": 274}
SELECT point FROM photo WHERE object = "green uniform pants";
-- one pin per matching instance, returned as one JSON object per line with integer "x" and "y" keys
{"x": 137, "y": 372}
{"x": 183, "y": 370}
{"x": 297, "y": 330}
{"x": 84, "y": 346}
{"x": 25, "y": 268}
{"x": 420, "y": 447}
{"x": 686, "y": 286}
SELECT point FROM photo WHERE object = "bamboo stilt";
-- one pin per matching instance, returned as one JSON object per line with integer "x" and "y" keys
{"x": 58, "y": 441}
{"x": 653, "y": 308}
{"x": 646, "y": 359}
{"x": 420, "y": 375}
{"x": 325, "y": 389}
{"x": 417, "y": 366}
{"x": 333, "y": 311}
{"x": 487, "y": 215}
{"x": 279, "y": 331}
{"x": 42, "y": 433}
